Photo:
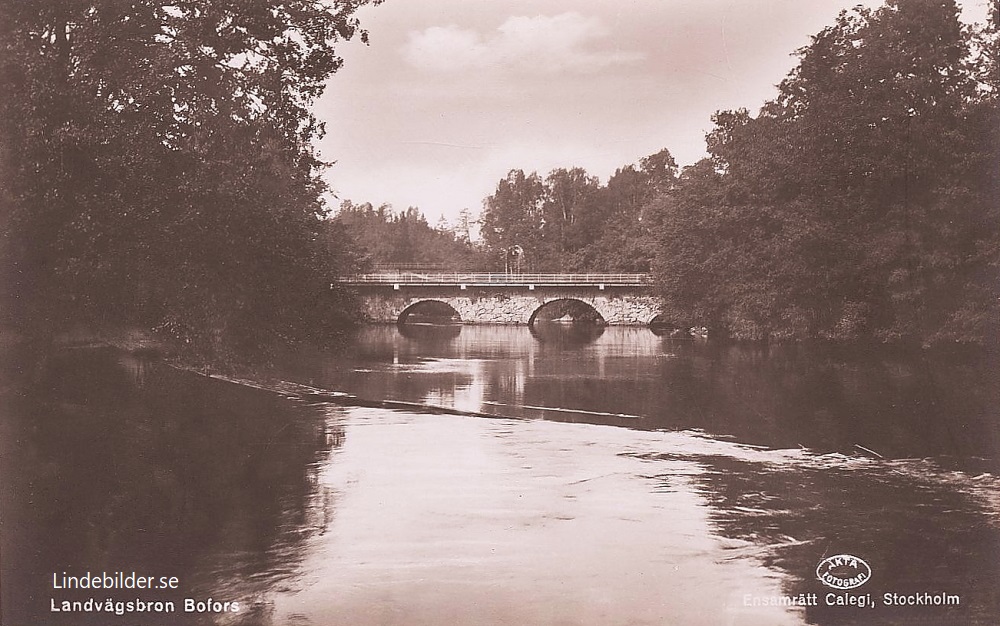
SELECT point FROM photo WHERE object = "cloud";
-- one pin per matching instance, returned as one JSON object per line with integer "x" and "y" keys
{"x": 541, "y": 44}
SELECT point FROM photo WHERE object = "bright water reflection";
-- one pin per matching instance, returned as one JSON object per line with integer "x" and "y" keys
{"x": 666, "y": 483}
{"x": 822, "y": 398}
{"x": 447, "y": 519}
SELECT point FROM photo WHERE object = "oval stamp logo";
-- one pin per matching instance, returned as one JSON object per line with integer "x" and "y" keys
{"x": 843, "y": 571}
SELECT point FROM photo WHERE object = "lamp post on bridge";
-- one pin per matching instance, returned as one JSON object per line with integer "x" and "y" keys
{"x": 512, "y": 259}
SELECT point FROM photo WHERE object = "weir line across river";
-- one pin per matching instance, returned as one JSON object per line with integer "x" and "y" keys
{"x": 505, "y": 298}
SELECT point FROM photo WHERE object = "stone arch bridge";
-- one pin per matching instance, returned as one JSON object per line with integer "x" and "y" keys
{"x": 620, "y": 299}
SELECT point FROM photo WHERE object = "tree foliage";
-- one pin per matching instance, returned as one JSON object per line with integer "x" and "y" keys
{"x": 387, "y": 237}
{"x": 862, "y": 201}
{"x": 569, "y": 222}
{"x": 157, "y": 166}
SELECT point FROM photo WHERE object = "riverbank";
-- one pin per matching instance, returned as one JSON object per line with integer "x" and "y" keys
{"x": 131, "y": 340}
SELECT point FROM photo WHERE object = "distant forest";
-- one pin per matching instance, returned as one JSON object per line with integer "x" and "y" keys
{"x": 566, "y": 222}
{"x": 384, "y": 237}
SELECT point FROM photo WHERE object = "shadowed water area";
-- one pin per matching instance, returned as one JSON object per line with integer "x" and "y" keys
{"x": 563, "y": 475}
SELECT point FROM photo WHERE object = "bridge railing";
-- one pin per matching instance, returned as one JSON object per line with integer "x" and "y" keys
{"x": 501, "y": 278}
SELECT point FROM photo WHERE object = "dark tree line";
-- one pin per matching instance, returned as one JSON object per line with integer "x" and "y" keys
{"x": 861, "y": 202}
{"x": 569, "y": 222}
{"x": 383, "y": 236}
{"x": 156, "y": 166}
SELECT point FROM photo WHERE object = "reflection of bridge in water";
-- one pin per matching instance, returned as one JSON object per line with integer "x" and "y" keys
{"x": 505, "y": 298}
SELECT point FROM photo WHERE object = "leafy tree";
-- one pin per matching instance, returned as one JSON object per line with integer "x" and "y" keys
{"x": 513, "y": 216}
{"x": 572, "y": 219}
{"x": 627, "y": 242}
{"x": 862, "y": 200}
{"x": 570, "y": 222}
{"x": 403, "y": 238}
{"x": 157, "y": 166}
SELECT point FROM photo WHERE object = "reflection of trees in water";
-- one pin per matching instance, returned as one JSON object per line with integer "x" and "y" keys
{"x": 188, "y": 476}
{"x": 920, "y": 528}
{"x": 573, "y": 335}
{"x": 430, "y": 333}
{"x": 829, "y": 398}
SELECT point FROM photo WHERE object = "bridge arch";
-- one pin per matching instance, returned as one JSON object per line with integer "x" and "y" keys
{"x": 563, "y": 308}
{"x": 429, "y": 310}
{"x": 630, "y": 310}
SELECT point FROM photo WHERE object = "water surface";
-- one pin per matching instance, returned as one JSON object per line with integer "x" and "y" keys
{"x": 567, "y": 476}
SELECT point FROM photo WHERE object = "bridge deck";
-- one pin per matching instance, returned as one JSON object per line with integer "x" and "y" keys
{"x": 442, "y": 279}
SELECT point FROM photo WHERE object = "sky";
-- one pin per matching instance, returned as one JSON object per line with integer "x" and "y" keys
{"x": 450, "y": 95}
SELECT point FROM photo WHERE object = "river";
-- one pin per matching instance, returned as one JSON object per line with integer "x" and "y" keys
{"x": 501, "y": 475}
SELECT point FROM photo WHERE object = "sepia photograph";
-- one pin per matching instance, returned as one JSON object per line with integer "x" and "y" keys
{"x": 499, "y": 312}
